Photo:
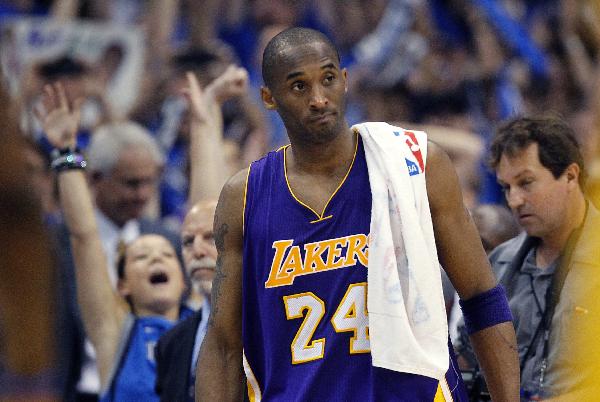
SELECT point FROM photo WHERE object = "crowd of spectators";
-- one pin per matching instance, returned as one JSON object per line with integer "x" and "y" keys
{"x": 454, "y": 68}
{"x": 462, "y": 64}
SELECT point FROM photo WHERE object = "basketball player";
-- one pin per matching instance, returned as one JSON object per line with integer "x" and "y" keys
{"x": 289, "y": 304}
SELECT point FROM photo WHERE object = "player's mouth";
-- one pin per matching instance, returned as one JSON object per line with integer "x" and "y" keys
{"x": 322, "y": 117}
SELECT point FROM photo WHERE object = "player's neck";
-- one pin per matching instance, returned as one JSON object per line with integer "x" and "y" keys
{"x": 324, "y": 158}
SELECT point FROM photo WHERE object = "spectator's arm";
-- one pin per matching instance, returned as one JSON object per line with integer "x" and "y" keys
{"x": 160, "y": 20}
{"x": 203, "y": 21}
{"x": 208, "y": 169}
{"x": 158, "y": 23}
{"x": 102, "y": 312}
{"x": 580, "y": 64}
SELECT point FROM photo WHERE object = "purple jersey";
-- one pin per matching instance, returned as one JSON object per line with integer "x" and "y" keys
{"x": 305, "y": 322}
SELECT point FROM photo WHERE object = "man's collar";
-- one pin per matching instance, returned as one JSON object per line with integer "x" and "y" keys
{"x": 128, "y": 232}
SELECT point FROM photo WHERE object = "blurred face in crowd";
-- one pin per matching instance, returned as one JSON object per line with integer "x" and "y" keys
{"x": 199, "y": 250}
{"x": 124, "y": 193}
{"x": 539, "y": 201}
{"x": 153, "y": 280}
{"x": 309, "y": 92}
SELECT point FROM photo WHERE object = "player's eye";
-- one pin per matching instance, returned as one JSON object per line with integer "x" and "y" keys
{"x": 329, "y": 78}
{"x": 298, "y": 86}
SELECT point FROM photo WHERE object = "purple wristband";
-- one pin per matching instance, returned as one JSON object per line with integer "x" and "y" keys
{"x": 486, "y": 309}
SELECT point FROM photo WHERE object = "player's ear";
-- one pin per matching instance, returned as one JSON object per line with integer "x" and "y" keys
{"x": 267, "y": 98}
{"x": 345, "y": 76}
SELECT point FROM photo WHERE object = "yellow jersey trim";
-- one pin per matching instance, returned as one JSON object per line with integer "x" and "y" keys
{"x": 446, "y": 391}
{"x": 254, "y": 393}
{"x": 439, "y": 395}
{"x": 321, "y": 216}
{"x": 322, "y": 219}
{"x": 245, "y": 196}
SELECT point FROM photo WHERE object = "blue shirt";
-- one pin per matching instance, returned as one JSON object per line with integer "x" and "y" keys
{"x": 135, "y": 373}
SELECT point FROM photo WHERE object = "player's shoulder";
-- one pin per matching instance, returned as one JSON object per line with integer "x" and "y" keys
{"x": 237, "y": 181}
{"x": 233, "y": 190}
{"x": 435, "y": 153}
{"x": 439, "y": 165}
{"x": 268, "y": 159}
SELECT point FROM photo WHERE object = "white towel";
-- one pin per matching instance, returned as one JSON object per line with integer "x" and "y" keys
{"x": 408, "y": 328}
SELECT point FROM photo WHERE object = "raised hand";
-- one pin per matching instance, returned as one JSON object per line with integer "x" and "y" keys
{"x": 233, "y": 82}
{"x": 58, "y": 116}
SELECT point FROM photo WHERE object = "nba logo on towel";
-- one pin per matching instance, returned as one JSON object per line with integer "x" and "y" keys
{"x": 413, "y": 169}
{"x": 413, "y": 145}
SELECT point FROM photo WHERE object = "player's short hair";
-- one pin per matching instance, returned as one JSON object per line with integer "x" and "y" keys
{"x": 286, "y": 39}
{"x": 557, "y": 146}
{"x": 109, "y": 140}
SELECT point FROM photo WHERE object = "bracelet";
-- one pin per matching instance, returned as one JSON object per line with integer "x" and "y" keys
{"x": 68, "y": 161}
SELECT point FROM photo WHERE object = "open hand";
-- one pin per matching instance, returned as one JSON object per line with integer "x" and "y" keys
{"x": 58, "y": 116}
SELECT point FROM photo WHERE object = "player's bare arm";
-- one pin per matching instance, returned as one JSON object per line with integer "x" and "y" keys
{"x": 102, "y": 313}
{"x": 462, "y": 256}
{"x": 219, "y": 375}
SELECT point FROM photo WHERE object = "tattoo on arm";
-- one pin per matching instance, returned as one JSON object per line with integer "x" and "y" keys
{"x": 219, "y": 274}
{"x": 220, "y": 237}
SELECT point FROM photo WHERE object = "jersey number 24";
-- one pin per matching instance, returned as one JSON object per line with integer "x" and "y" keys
{"x": 350, "y": 316}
